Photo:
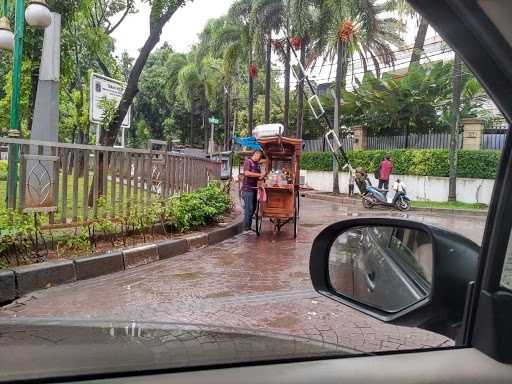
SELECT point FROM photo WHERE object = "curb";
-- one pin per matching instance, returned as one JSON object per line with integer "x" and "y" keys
{"x": 18, "y": 281}
{"x": 356, "y": 202}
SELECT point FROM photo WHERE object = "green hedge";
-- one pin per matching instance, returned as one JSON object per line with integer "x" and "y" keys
{"x": 418, "y": 162}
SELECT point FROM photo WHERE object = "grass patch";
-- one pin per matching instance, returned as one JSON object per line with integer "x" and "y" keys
{"x": 448, "y": 205}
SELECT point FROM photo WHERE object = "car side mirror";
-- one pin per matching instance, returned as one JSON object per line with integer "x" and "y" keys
{"x": 398, "y": 271}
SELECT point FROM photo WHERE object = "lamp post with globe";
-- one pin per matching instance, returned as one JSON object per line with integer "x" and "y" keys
{"x": 37, "y": 15}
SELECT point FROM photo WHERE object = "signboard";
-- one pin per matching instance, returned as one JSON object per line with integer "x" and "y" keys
{"x": 213, "y": 120}
{"x": 103, "y": 87}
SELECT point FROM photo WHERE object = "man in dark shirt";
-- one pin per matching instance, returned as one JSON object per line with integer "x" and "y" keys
{"x": 252, "y": 173}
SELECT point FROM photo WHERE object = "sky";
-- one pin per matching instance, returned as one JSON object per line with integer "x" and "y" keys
{"x": 180, "y": 32}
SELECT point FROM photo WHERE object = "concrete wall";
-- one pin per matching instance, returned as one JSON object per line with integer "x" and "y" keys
{"x": 418, "y": 187}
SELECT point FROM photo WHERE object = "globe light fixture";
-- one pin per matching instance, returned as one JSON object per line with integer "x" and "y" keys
{"x": 37, "y": 14}
{"x": 6, "y": 35}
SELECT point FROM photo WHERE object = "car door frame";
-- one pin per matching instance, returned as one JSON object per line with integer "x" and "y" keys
{"x": 464, "y": 25}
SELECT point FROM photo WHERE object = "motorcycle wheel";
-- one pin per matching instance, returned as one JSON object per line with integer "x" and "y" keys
{"x": 368, "y": 203}
{"x": 403, "y": 204}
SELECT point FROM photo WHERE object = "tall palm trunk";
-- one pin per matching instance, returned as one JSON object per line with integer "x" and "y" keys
{"x": 268, "y": 77}
{"x": 339, "y": 84}
{"x": 287, "y": 74}
{"x": 250, "y": 98}
{"x": 300, "y": 92}
{"x": 454, "y": 145}
{"x": 226, "y": 118}
{"x": 419, "y": 42}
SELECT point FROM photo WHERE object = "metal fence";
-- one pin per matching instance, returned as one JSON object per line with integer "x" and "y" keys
{"x": 319, "y": 146}
{"x": 414, "y": 141}
{"x": 65, "y": 181}
{"x": 491, "y": 139}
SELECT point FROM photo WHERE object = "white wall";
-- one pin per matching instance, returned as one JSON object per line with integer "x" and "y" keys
{"x": 426, "y": 188}
{"x": 418, "y": 187}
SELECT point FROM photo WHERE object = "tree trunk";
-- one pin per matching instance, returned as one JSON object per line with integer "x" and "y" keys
{"x": 226, "y": 118}
{"x": 287, "y": 59}
{"x": 191, "y": 128}
{"x": 337, "y": 95}
{"x": 268, "y": 77}
{"x": 204, "y": 126}
{"x": 300, "y": 93}
{"x": 109, "y": 135}
{"x": 454, "y": 142}
{"x": 250, "y": 97}
{"x": 103, "y": 66}
{"x": 419, "y": 42}
{"x": 286, "y": 90}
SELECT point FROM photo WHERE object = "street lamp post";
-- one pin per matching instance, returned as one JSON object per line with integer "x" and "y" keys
{"x": 37, "y": 15}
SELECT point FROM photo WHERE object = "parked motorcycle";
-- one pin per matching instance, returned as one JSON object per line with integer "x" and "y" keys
{"x": 374, "y": 197}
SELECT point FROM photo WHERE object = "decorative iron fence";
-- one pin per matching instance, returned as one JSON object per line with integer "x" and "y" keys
{"x": 413, "y": 141}
{"x": 318, "y": 145}
{"x": 65, "y": 181}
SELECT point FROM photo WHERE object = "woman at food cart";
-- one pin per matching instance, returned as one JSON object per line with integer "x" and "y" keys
{"x": 252, "y": 173}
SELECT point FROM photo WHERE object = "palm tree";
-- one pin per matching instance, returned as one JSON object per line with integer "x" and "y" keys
{"x": 455, "y": 118}
{"x": 406, "y": 11}
{"x": 268, "y": 16}
{"x": 240, "y": 13}
{"x": 302, "y": 16}
{"x": 221, "y": 40}
{"x": 353, "y": 27}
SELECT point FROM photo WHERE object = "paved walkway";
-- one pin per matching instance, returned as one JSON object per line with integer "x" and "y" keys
{"x": 248, "y": 282}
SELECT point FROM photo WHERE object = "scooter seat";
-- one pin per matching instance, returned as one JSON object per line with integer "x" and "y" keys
{"x": 382, "y": 190}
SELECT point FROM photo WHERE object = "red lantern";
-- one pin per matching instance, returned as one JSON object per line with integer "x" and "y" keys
{"x": 346, "y": 30}
{"x": 296, "y": 42}
{"x": 253, "y": 71}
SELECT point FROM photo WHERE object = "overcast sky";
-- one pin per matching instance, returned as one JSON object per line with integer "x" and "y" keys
{"x": 181, "y": 31}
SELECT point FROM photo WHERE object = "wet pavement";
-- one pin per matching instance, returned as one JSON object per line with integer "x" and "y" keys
{"x": 249, "y": 282}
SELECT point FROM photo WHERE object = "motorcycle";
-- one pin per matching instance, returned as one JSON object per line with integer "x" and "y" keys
{"x": 374, "y": 197}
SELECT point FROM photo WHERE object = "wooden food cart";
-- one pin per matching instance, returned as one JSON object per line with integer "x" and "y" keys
{"x": 282, "y": 203}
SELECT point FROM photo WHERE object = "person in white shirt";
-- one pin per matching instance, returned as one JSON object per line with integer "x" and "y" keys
{"x": 398, "y": 187}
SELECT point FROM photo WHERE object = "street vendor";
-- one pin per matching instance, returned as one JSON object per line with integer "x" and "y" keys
{"x": 362, "y": 180}
{"x": 252, "y": 173}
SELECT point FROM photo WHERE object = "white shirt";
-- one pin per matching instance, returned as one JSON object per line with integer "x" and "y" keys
{"x": 399, "y": 187}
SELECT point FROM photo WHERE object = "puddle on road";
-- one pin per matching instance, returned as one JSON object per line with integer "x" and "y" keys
{"x": 286, "y": 321}
{"x": 218, "y": 295}
{"x": 188, "y": 275}
{"x": 311, "y": 225}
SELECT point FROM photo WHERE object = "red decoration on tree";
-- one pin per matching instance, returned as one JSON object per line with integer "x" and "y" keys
{"x": 253, "y": 71}
{"x": 296, "y": 42}
{"x": 277, "y": 44}
{"x": 346, "y": 30}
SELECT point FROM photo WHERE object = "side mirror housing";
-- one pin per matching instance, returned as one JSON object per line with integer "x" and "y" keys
{"x": 398, "y": 271}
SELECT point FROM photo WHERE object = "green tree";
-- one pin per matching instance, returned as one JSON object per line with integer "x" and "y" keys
{"x": 161, "y": 13}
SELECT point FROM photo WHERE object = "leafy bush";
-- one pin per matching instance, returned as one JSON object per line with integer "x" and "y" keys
{"x": 21, "y": 235}
{"x": 418, "y": 162}
{"x": 202, "y": 207}
{"x": 3, "y": 170}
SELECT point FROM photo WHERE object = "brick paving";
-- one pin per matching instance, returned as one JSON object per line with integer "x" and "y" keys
{"x": 248, "y": 282}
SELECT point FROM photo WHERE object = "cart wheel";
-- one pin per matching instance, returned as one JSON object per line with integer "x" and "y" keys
{"x": 259, "y": 219}
{"x": 297, "y": 204}
{"x": 295, "y": 222}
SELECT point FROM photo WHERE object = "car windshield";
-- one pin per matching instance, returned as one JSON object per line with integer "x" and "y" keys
{"x": 165, "y": 170}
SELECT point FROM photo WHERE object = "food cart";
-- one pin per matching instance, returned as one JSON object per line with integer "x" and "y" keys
{"x": 278, "y": 195}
